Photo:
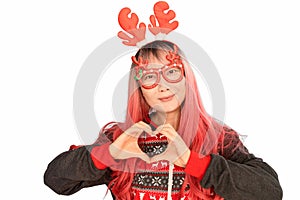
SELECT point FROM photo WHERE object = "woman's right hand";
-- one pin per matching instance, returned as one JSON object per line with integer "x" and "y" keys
{"x": 126, "y": 145}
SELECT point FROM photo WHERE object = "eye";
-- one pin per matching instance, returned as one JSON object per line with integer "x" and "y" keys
{"x": 173, "y": 71}
{"x": 149, "y": 77}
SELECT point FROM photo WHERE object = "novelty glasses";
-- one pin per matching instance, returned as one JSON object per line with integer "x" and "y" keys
{"x": 150, "y": 77}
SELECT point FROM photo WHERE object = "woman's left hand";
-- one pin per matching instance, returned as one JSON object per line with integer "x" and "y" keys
{"x": 177, "y": 151}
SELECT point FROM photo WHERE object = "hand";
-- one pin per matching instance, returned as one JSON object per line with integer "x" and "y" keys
{"x": 177, "y": 151}
{"x": 126, "y": 145}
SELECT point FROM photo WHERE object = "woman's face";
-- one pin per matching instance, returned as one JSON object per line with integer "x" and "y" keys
{"x": 165, "y": 96}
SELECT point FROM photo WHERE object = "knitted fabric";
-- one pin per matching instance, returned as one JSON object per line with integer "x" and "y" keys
{"x": 151, "y": 180}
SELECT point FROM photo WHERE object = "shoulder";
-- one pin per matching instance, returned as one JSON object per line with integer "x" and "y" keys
{"x": 108, "y": 132}
{"x": 231, "y": 145}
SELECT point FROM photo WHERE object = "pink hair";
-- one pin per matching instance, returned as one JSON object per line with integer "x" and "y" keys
{"x": 199, "y": 130}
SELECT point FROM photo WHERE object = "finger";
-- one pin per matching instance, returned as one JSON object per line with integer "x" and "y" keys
{"x": 179, "y": 145}
{"x": 144, "y": 157}
{"x": 138, "y": 128}
{"x": 115, "y": 151}
{"x": 168, "y": 127}
{"x": 158, "y": 129}
{"x": 143, "y": 123}
{"x": 146, "y": 127}
{"x": 179, "y": 142}
{"x": 162, "y": 156}
{"x": 134, "y": 131}
{"x": 169, "y": 133}
{"x": 122, "y": 154}
{"x": 169, "y": 155}
{"x": 166, "y": 134}
{"x": 139, "y": 154}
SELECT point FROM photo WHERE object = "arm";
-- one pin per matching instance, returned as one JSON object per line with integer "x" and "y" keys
{"x": 73, "y": 170}
{"x": 81, "y": 167}
{"x": 234, "y": 173}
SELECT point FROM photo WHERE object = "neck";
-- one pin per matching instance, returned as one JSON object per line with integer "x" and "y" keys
{"x": 172, "y": 118}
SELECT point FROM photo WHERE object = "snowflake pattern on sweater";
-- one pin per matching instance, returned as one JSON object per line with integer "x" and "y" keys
{"x": 151, "y": 180}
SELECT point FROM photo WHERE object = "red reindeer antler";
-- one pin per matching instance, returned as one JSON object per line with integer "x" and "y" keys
{"x": 173, "y": 56}
{"x": 129, "y": 24}
{"x": 163, "y": 19}
{"x": 140, "y": 62}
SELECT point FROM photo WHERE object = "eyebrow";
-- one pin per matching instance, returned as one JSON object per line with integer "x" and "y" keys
{"x": 156, "y": 68}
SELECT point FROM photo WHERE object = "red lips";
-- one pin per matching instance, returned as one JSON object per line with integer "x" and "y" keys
{"x": 167, "y": 98}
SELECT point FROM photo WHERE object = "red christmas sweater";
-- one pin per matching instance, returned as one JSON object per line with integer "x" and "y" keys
{"x": 151, "y": 181}
{"x": 233, "y": 172}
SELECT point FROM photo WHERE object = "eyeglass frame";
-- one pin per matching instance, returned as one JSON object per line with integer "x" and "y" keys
{"x": 142, "y": 70}
{"x": 174, "y": 59}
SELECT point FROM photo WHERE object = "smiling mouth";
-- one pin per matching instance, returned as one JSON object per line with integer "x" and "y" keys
{"x": 168, "y": 98}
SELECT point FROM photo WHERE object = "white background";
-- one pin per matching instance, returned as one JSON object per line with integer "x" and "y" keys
{"x": 43, "y": 44}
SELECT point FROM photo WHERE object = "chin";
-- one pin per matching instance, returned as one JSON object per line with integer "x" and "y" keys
{"x": 169, "y": 109}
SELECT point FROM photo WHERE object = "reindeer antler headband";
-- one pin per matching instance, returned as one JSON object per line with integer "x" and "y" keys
{"x": 135, "y": 32}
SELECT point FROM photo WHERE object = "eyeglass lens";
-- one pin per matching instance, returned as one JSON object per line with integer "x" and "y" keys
{"x": 170, "y": 74}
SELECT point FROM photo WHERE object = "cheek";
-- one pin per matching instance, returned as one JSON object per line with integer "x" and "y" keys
{"x": 180, "y": 91}
{"x": 149, "y": 96}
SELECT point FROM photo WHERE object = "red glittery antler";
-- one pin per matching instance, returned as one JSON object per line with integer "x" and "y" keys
{"x": 134, "y": 34}
{"x": 173, "y": 57}
{"x": 140, "y": 62}
{"x": 163, "y": 19}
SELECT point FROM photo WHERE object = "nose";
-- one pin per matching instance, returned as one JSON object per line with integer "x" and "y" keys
{"x": 163, "y": 84}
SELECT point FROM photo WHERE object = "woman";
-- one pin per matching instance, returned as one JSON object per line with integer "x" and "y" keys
{"x": 168, "y": 147}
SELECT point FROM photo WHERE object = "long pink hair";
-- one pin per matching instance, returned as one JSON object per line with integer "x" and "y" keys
{"x": 197, "y": 128}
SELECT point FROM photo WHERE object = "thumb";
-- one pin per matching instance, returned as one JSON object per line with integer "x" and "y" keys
{"x": 159, "y": 157}
{"x": 144, "y": 157}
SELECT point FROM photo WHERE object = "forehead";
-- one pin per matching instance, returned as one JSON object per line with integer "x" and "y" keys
{"x": 157, "y": 61}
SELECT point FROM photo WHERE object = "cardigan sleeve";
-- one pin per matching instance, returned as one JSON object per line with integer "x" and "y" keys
{"x": 79, "y": 167}
{"x": 235, "y": 174}
{"x": 73, "y": 170}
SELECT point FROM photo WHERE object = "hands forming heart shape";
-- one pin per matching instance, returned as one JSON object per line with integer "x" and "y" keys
{"x": 126, "y": 145}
